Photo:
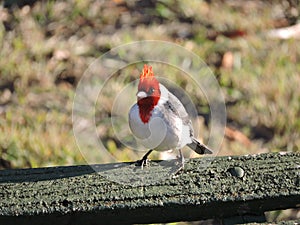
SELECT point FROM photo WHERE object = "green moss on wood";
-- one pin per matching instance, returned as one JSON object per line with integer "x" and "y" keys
{"x": 208, "y": 188}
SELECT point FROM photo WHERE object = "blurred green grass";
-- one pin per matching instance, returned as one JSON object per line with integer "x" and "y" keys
{"x": 46, "y": 47}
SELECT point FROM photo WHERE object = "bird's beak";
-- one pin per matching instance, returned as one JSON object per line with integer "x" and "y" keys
{"x": 141, "y": 94}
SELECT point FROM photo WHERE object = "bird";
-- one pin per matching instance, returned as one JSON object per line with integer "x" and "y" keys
{"x": 159, "y": 121}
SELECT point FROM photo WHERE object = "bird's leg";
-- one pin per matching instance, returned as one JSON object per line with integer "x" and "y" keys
{"x": 181, "y": 161}
{"x": 144, "y": 161}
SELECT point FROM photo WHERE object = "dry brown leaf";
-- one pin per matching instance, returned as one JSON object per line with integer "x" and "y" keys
{"x": 236, "y": 135}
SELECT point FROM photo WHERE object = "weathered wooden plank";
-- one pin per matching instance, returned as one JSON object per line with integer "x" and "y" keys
{"x": 209, "y": 187}
{"x": 289, "y": 222}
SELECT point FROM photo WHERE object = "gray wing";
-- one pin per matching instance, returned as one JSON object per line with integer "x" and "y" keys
{"x": 175, "y": 105}
{"x": 178, "y": 109}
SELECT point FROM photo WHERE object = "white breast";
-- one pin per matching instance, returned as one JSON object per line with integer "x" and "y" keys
{"x": 158, "y": 133}
{"x": 150, "y": 134}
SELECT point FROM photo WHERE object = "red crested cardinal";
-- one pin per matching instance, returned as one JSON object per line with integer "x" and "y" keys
{"x": 159, "y": 120}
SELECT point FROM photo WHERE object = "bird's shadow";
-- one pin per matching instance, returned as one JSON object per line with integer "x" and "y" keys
{"x": 135, "y": 175}
{"x": 126, "y": 172}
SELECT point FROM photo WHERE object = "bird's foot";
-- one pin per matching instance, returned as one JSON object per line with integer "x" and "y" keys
{"x": 180, "y": 163}
{"x": 144, "y": 161}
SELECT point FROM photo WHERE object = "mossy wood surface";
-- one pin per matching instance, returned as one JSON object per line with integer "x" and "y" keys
{"x": 122, "y": 193}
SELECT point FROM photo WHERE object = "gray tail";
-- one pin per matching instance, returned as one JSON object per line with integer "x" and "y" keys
{"x": 199, "y": 148}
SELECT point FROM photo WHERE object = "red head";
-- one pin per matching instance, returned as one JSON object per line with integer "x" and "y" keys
{"x": 148, "y": 93}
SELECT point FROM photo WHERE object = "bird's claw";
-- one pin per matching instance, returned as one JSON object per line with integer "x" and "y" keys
{"x": 142, "y": 162}
{"x": 180, "y": 163}
{"x": 179, "y": 167}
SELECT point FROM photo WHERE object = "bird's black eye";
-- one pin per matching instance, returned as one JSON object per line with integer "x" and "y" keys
{"x": 151, "y": 90}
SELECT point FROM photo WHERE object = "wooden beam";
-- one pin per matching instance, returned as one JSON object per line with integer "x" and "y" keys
{"x": 121, "y": 193}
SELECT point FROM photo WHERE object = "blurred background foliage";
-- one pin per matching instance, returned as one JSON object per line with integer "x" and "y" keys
{"x": 47, "y": 45}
